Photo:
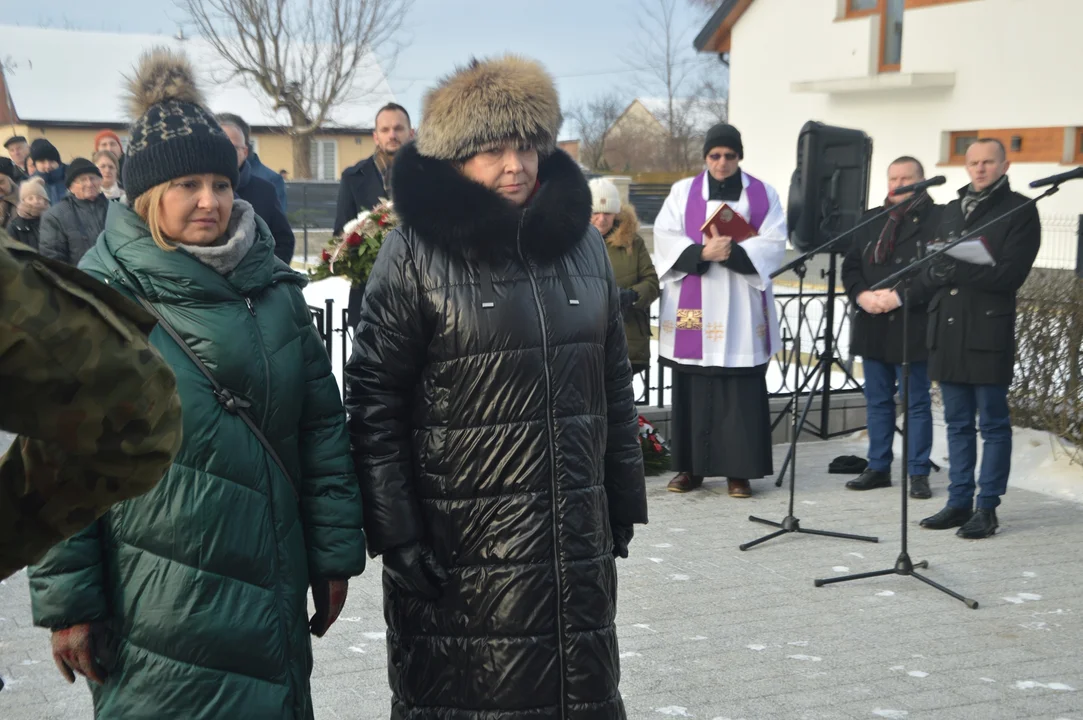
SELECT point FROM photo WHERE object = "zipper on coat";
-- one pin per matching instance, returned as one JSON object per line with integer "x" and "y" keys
{"x": 279, "y": 580}
{"x": 266, "y": 365}
{"x": 549, "y": 419}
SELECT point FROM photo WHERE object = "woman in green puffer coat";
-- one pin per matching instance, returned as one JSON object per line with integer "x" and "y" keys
{"x": 632, "y": 267}
{"x": 190, "y": 601}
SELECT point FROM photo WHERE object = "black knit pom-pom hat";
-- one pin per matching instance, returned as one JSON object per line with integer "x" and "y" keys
{"x": 172, "y": 134}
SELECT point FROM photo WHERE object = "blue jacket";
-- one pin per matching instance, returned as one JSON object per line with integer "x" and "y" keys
{"x": 54, "y": 183}
{"x": 261, "y": 195}
{"x": 265, "y": 173}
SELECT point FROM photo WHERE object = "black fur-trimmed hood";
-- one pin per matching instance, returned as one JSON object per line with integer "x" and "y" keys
{"x": 444, "y": 207}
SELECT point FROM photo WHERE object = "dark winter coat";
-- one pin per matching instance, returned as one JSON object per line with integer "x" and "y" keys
{"x": 260, "y": 194}
{"x": 361, "y": 188}
{"x": 202, "y": 582}
{"x": 71, "y": 227}
{"x": 54, "y": 183}
{"x": 971, "y": 336}
{"x": 502, "y": 436}
{"x": 25, "y": 230}
{"x": 880, "y": 337}
{"x": 633, "y": 269}
{"x": 277, "y": 182}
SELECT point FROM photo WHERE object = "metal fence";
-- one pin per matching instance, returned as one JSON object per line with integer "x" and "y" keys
{"x": 1060, "y": 241}
{"x": 824, "y": 319}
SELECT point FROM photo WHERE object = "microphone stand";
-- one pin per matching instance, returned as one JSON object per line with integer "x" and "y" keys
{"x": 790, "y": 523}
{"x": 903, "y": 564}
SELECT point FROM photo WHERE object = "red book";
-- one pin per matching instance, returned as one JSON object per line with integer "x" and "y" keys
{"x": 727, "y": 221}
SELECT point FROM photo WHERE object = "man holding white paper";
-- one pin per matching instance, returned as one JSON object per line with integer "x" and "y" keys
{"x": 972, "y": 336}
{"x": 718, "y": 323}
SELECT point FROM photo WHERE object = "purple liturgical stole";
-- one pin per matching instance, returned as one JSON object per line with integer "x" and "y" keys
{"x": 688, "y": 340}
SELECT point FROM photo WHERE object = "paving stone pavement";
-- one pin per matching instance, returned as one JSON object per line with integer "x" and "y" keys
{"x": 708, "y": 631}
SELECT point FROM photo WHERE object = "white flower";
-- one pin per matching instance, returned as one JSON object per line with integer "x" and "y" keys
{"x": 355, "y": 223}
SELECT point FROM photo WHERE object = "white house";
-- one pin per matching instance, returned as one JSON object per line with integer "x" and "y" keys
{"x": 922, "y": 78}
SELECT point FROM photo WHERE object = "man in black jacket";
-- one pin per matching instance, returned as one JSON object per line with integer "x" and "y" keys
{"x": 881, "y": 249}
{"x": 366, "y": 182}
{"x": 972, "y": 336}
{"x": 256, "y": 191}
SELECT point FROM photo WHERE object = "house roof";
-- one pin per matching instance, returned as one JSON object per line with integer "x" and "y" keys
{"x": 701, "y": 114}
{"x": 75, "y": 77}
{"x": 715, "y": 35}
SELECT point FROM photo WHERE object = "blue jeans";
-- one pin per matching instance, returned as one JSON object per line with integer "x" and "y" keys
{"x": 961, "y": 404}
{"x": 881, "y": 380}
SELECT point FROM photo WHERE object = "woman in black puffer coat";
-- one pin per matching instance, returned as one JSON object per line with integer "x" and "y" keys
{"x": 492, "y": 416}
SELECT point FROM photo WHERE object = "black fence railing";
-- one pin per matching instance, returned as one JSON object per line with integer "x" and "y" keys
{"x": 820, "y": 344}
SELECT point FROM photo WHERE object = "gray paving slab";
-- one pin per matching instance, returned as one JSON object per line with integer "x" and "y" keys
{"x": 707, "y": 631}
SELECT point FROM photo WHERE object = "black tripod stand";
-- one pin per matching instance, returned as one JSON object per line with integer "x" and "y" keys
{"x": 790, "y": 523}
{"x": 903, "y": 564}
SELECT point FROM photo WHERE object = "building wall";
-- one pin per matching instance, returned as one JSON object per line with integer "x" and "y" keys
{"x": 275, "y": 148}
{"x": 1008, "y": 58}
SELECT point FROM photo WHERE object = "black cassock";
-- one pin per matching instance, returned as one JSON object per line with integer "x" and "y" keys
{"x": 720, "y": 422}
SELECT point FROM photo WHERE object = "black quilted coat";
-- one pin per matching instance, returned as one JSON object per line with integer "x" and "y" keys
{"x": 492, "y": 418}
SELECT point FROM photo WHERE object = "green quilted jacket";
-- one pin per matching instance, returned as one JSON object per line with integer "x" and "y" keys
{"x": 202, "y": 583}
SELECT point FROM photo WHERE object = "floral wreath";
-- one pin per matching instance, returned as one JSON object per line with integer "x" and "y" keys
{"x": 353, "y": 255}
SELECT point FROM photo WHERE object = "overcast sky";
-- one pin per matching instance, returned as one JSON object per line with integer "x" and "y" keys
{"x": 588, "y": 45}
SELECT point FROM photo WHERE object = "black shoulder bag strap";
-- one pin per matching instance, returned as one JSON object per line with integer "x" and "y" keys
{"x": 233, "y": 404}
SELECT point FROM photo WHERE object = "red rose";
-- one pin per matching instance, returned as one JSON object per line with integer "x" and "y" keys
{"x": 325, "y": 256}
{"x": 382, "y": 220}
{"x": 353, "y": 240}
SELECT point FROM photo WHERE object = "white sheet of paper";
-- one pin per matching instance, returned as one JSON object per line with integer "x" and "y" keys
{"x": 972, "y": 251}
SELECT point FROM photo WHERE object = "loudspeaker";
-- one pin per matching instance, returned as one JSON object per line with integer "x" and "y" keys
{"x": 829, "y": 188}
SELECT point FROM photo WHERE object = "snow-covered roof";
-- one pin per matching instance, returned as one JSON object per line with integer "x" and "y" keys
{"x": 702, "y": 114}
{"x": 70, "y": 76}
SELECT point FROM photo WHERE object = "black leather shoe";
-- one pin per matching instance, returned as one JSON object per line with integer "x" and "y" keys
{"x": 919, "y": 487}
{"x": 982, "y": 524}
{"x": 870, "y": 480}
{"x": 947, "y": 518}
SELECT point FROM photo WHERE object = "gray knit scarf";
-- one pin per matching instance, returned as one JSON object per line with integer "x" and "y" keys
{"x": 226, "y": 253}
{"x": 972, "y": 199}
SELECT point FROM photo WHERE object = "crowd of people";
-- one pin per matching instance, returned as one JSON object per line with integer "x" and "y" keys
{"x": 187, "y": 474}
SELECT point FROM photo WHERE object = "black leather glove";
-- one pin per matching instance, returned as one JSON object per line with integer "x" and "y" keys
{"x": 628, "y": 298}
{"x": 622, "y": 535}
{"x": 414, "y": 569}
{"x": 941, "y": 271}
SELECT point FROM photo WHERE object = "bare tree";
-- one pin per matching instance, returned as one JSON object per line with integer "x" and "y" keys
{"x": 304, "y": 55}
{"x": 592, "y": 120}
{"x": 664, "y": 49}
{"x": 709, "y": 5}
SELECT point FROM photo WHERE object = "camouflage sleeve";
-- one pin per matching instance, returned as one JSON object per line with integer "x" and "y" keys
{"x": 94, "y": 405}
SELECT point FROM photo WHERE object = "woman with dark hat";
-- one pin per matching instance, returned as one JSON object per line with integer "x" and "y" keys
{"x": 71, "y": 226}
{"x": 190, "y": 601}
{"x": 492, "y": 417}
{"x": 48, "y": 167}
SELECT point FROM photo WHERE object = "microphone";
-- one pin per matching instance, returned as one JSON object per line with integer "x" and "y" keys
{"x": 1058, "y": 179}
{"x": 931, "y": 182}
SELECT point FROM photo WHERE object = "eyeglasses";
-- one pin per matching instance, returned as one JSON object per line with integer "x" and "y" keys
{"x": 715, "y": 157}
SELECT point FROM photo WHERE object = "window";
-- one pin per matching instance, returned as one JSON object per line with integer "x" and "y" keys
{"x": 960, "y": 142}
{"x": 1044, "y": 145}
{"x": 891, "y": 30}
{"x": 857, "y": 8}
{"x": 323, "y": 160}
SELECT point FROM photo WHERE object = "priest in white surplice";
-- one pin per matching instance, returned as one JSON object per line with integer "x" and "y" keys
{"x": 718, "y": 322}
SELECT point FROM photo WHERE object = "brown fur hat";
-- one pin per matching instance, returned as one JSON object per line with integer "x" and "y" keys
{"x": 489, "y": 102}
